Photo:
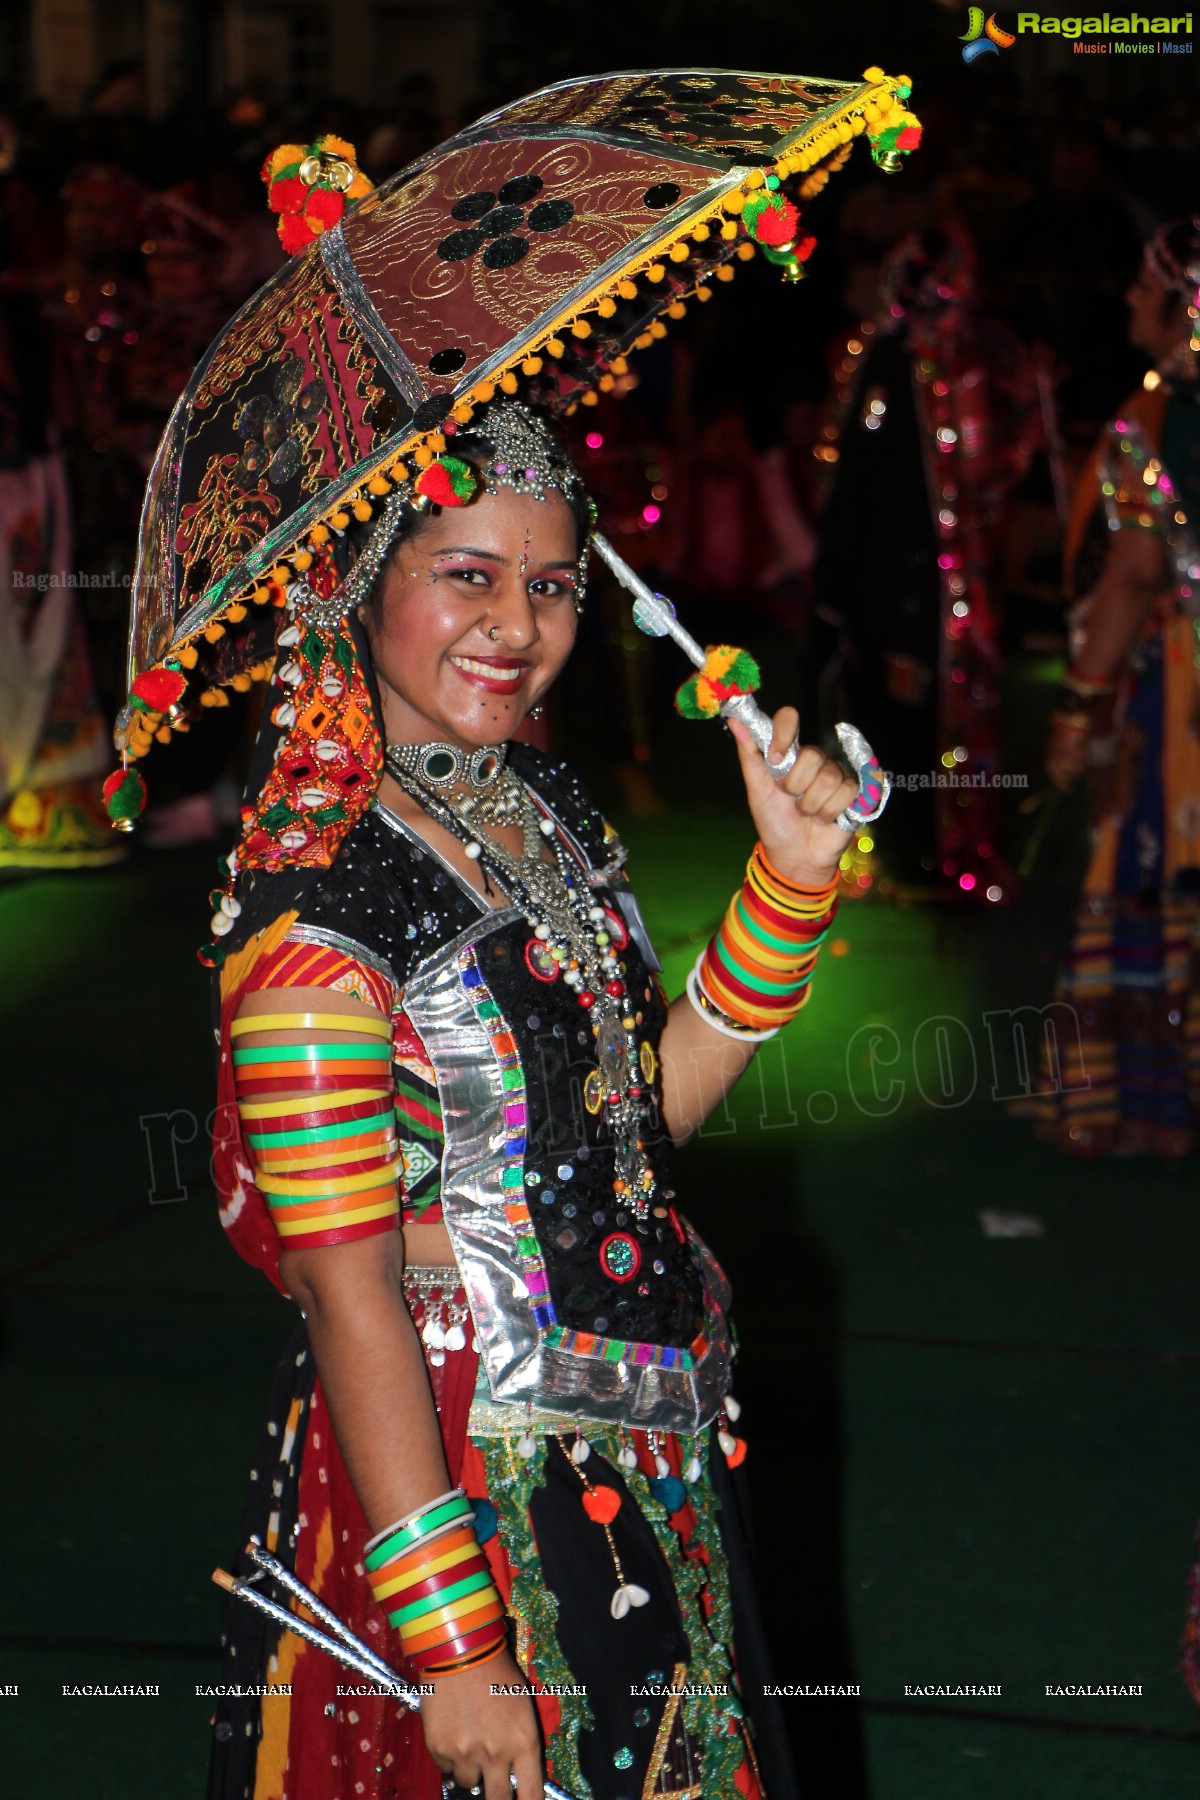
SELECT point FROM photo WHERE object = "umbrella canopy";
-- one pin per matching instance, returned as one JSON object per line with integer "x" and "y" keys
{"x": 531, "y": 253}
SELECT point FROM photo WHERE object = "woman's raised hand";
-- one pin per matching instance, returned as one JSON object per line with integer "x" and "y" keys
{"x": 796, "y": 813}
{"x": 476, "y": 1737}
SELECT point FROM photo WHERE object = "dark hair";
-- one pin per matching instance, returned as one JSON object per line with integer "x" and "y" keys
{"x": 1181, "y": 242}
{"x": 472, "y": 447}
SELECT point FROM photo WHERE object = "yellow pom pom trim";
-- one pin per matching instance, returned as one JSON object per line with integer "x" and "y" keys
{"x": 235, "y": 614}
{"x": 423, "y": 456}
{"x": 555, "y": 346}
{"x": 339, "y": 520}
{"x": 627, "y": 289}
{"x": 214, "y": 631}
{"x": 318, "y": 535}
{"x": 189, "y": 656}
{"x": 378, "y": 484}
{"x": 581, "y": 329}
{"x": 484, "y": 392}
{"x": 463, "y": 413}
{"x": 362, "y": 510}
{"x": 508, "y": 383}
{"x": 533, "y": 365}
{"x": 607, "y": 308}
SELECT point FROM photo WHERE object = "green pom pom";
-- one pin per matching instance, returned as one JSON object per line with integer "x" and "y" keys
{"x": 688, "y": 703}
{"x": 743, "y": 673}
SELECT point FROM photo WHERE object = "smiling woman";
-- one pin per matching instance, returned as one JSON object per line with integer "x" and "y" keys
{"x": 451, "y": 1082}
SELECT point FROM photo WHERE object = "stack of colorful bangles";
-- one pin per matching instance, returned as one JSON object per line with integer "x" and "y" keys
{"x": 754, "y": 976}
{"x": 432, "y": 1579}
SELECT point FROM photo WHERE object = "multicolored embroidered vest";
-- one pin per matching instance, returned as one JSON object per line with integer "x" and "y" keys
{"x": 580, "y": 1305}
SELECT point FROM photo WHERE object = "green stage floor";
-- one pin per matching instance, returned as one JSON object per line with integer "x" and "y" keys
{"x": 976, "y": 1458}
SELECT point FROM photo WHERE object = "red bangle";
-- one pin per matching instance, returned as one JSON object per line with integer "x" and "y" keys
{"x": 457, "y": 1649}
{"x": 436, "y": 1584}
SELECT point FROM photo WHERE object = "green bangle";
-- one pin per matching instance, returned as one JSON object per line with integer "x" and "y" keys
{"x": 470, "y": 1584}
{"x": 407, "y": 1535}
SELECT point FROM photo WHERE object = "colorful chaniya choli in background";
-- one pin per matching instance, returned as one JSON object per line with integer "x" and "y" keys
{"x": 927, "y": 433}
{"x": 1125, "y": 1076}
{"x": 54, "y": 747}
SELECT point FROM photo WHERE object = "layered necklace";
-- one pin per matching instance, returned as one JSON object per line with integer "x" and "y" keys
{"x": 473, "y": 794}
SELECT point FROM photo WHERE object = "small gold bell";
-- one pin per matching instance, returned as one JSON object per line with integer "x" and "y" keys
{"x": 310, "y": 170}
{"x": 890, "y": 161}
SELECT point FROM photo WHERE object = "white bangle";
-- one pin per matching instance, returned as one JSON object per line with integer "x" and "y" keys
{"x": 712, "y": 1015}
{"x": 398, "y": 1525}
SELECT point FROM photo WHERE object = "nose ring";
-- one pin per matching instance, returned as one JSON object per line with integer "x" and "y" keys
{"x": 493, "y": 633}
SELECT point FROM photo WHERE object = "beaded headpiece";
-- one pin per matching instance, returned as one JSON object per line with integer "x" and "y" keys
{"x": 524, "y": 456}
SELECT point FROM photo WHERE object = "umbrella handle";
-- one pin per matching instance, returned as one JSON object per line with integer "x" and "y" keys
{"x": 655, "y": 615}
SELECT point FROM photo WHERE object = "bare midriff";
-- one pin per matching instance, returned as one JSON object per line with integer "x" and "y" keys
{"x": 427, "y": 1246}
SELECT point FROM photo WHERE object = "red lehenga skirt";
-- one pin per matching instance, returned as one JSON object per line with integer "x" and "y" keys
{"x": 653, "y": 1704}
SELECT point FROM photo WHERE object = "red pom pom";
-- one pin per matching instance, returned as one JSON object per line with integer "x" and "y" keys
{"x": 436, "y": 483}
{"x": 287, "y": 194}
{"x": 155, "y": 690}
{"x": 909, "y": 138}
{"x": 776, "y": 225}
{"x": 294, "y": 233}
{"x": 124, "y": 794}
{"x": 602, "y": 1505}
{"x": 325, "y": 205}
{"x": 805, "y": 248}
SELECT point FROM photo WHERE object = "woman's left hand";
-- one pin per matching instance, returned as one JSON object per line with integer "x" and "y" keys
{"x": 796, "y": 814}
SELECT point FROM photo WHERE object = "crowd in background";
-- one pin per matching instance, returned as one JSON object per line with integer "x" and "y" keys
{"x": 126, "y": 242}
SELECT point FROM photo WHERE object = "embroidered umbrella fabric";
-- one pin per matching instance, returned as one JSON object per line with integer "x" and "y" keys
{"x": 531, "y": 253}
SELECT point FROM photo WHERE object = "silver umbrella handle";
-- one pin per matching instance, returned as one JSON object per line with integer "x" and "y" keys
{"x": 656, "y": 617}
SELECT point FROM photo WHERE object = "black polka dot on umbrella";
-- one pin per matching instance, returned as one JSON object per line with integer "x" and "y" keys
{"x": 459, "y": 245}
{"x": 445, "y": 362}
{"x": 662, "y": 194}
{"x": 473, "y": 206}
{"x": 500, "y": 220}
{"x": 550, "y": 215}
{"x": 520, "y": 189}
{"x": 502, "y": 252}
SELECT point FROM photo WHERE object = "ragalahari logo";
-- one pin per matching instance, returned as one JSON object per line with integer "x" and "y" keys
{"x": 983, "y": 37}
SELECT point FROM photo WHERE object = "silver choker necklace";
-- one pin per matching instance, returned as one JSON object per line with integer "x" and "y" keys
{"x": 442, "y": 766}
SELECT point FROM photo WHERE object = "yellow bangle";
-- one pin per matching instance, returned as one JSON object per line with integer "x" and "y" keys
{"x": 359, "y": 1023}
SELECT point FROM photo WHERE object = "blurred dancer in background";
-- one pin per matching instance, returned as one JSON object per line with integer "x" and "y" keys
{"x": 1128, "y": 710}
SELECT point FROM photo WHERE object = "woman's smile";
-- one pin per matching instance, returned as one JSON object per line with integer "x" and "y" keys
{"x": 495, "y": 674}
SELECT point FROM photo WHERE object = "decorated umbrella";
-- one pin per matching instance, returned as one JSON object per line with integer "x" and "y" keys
{"x": 530, "y": 255}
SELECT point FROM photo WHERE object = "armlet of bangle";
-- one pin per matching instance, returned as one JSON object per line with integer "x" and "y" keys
{"x": 756, "y": 970}
{"x": 319, "y": 1119}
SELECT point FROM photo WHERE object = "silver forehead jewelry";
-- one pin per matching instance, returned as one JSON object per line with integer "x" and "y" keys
{"x": 524, "y": 457}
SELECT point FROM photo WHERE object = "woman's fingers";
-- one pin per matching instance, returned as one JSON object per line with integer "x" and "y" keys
{"x": 786, "y": 727}
{"x": 530, "y": 1778}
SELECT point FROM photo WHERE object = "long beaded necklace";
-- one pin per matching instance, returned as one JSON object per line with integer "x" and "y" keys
{"x": 571, "y": 940}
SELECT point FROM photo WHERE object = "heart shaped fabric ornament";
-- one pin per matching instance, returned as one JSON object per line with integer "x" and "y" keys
{"x": 602, "y": 1505}
{"x": 737, "y": 1455}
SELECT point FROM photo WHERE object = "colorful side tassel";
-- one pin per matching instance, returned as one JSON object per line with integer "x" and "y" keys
{"x": 308, "y": 185}
{"x": 727, "y": 672}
